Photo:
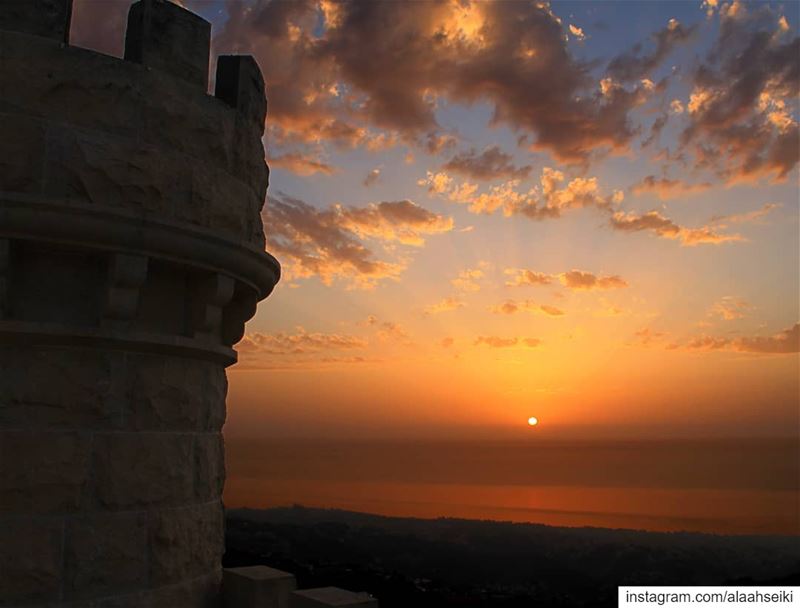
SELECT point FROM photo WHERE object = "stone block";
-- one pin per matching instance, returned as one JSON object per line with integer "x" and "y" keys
{"x": 257, "y": 587}
{"x": 30, "y": 560}
{"x": 48, "y": 18}
{"x": 169, "y": 393}
{"x": 52, "y": 387}
{"x": 167, "y": 37}
{"x": 240, "y": 84}
{"x": 331, "y": 596}
{"x": 105, "y": 554}
{"x": 21, "y": 154}
{"x": 115, "y": 171}
{"x": 209, "y": 466}
{"x": 135, "y": 470}
{"x": 186, "y": 542}
{"x": 202, "y": 592}
{"x": 43, "y": 472}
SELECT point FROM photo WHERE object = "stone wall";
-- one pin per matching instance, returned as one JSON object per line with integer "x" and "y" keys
{"x": 131, "y": 254}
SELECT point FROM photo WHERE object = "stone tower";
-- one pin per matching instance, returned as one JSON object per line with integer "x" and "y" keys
{"x": 131, "y": 255}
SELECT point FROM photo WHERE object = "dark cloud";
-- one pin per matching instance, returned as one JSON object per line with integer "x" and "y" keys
{"x": 634, "y": 64}
{"x": 665, "y": 188}
{"x": 372, "y": 71}
{"x": 581, "y": 280}
{"x": 742, "y": 109}
{"x": 488, "y": 165}
{"x": 653, "y": 221}
{"x": 328, "y": 243}
{"x": 784, "y": 342}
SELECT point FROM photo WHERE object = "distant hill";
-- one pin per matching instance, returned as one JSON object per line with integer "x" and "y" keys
{"x": 454, "y": 562}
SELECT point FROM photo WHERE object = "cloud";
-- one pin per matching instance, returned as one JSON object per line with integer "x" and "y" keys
{"x": 499, "y": 342}
{"x": 577, "y": 32}
{"x": 746, "y": 218}
{"x": 447, "y": 342}
{"x": 489, "y": 165}
{"x": 546, "y": 201}
{"x": 99, "y": 26}
{"x": 327, "y": 243}
{"x": 521, "y": 276}
{"x": 372, "y": 177}
{"x": 666, "y": 189}
{"x": 653, "y": 221}
{"x": 446, "y": 305}
{"x": 510, "y": 307}
{"x": 729, "y": 308}
{"x": 301, "y": 164}
{"x": 581, "y": 280}
{"x": 634, "y": 65}
{"x": 513, "y": 56}
{"x": 467, "y": 280}
{"x": 299, "y": 343}
{"x": 572, "y": 279}
{"x": 647, "y": 336}
{"x": 387, "y": 331}
{"x": 740, "y": 110}
{"x": 784, "y": 342}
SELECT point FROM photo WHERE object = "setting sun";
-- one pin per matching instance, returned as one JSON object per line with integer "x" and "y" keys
{"x": 533, "y": 421}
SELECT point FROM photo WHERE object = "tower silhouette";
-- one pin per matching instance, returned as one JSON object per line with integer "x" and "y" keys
{"x": 131, "y": 255}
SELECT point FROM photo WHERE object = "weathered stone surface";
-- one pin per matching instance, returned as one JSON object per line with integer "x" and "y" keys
{"x": 30, "y": 560}
{"x": 48, "y": 18}
{"x": 105, "y": 554}
{"x": 115, "y": 171}
{"x": 201, "y": 592}
{"x": 185, "y": 543}
{"x": 239, "y": 83}
{"x": 21, "y": 154}
{"x": 43, "y": 472}
{"x": 134, "y": 470}
{"x": 112, "y": 384}
{"x": 167, "y": 37}
{"x": 176, "y": 394}
{"x": 209, "y": 466}
{"x": 84, "y": 387}
{"x": 331, "y": 596}
{"x": 257, "y": 587}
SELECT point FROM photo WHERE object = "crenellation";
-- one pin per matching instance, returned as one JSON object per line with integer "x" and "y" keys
{"x": 239, "y": 83}
{"x": 167, "y": 37}
{"x": 46, "y": 18}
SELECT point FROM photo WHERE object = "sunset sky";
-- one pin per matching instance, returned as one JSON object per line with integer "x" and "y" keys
{"x": 585, "y": 212}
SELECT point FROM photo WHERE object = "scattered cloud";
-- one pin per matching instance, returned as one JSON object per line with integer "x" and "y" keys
{"x": 577, "y": 32}
{"x": 581, "y": 280}
{"x": 327, "y": 243}
{"x": 372, "y": 177}
{"x": 740, "y": 110}
{"x": 510, "y": 307}
{"x": 653, "y": 221}
{"x": 572, "y": 279}
{"x": 301, "y": 164}
{"x": 634, "y": 64}
{"x": 491, "y": 164}
{"x": 730, "y": 308}
{"x": 467, "y": 280}
{"x": 549, "y": 199}
{"x": 445, "y": 305}
{"x": 647, "y": 336}
{"x": 745, "y": 218}
{"x": 298, "y": 343}
{"x": 666, "y": 189}
{"x": 784, "y": 342}
{"x": 499, "y": 342}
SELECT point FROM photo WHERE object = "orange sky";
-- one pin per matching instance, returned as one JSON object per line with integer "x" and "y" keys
{"x": 586, "y": 212}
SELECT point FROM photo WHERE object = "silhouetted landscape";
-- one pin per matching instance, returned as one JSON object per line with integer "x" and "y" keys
{"x": 457, "y": 562}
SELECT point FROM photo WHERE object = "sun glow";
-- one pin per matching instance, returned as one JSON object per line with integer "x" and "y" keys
{"x": 533, "y": 421}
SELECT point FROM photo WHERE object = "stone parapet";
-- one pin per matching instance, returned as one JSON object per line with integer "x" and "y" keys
{"x": 131, "y": 255}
